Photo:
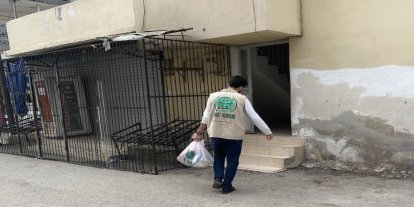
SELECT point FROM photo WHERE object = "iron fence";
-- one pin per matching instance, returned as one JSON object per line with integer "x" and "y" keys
{"x": 277, "y": 55}
{"x": 133, "y": 107}
{"x": 4, "y": 41}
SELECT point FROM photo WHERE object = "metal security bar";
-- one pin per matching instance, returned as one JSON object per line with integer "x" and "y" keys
{"x": 133, "y": 107}
{"x": 4, "y": 41}
{"x": 278, "y": 55}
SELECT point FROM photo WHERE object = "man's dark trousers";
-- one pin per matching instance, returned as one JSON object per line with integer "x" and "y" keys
{"x": 230, "y": 149}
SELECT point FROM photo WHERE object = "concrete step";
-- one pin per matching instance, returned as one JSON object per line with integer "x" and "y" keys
{"x": 282, "y": 140}
{"x": 266, "y": 160}
{"x": 260, "y": 168}
{"x": 283, "y": 151}
{"x": 270, "y": 149}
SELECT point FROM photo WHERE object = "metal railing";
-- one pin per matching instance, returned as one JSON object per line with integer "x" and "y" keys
{"x": 4, "y": 41}
{"x": 277, "y": 55}
{"x": 131, "y": 108}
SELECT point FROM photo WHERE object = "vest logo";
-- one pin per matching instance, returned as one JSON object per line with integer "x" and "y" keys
{"x": 225, "y": 104}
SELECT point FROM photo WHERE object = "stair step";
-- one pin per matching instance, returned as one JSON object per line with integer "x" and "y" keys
{"x": 288, "y": 140}
{"x": 260, "y": 168}
{"x": 268, "y": 156}
{"x": 270, "y": 149}
{"x": 265, "y": 160}
{"x": 283, "y": 151}
{"x": 273, "y": 145}
{"x": 284, "y": 140}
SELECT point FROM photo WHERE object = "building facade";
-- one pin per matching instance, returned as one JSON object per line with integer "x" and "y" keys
{"x": 335, "y": 72}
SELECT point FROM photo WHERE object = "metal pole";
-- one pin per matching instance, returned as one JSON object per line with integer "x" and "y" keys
{"x": 149, "y": 105}
{"x": 16, "y": 118}
{"x": 164, "y": 100}
{"x": 34, "y": 105}
{"x": 2, "y": 105}
{"x": 18, "y": 133}
{"x": 61, "y": 111}
{"x": 5, "y": 96}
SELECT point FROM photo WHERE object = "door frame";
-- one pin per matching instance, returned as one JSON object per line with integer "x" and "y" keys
{"x": 236, "y": 68}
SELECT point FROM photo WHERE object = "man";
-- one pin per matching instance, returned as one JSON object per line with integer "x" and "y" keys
{"x": 223, "y": 118}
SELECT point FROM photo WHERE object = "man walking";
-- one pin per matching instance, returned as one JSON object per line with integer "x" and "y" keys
{"x": 224, "y": 118}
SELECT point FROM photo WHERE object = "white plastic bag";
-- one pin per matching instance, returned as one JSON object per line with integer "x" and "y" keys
{"x": 195, "y": 155}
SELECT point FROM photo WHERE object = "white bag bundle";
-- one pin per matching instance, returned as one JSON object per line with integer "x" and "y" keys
{"x": 195, "y": 155}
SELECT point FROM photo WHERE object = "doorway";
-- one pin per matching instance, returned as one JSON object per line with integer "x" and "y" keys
{"x": 267, "y": 70}
{"x": 270, "y": 81}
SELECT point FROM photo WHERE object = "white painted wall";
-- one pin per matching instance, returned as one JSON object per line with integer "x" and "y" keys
{"x": 75, "y": 22}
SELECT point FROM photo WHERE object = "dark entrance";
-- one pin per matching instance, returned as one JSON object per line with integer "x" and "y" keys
{"x": 271, "y": 85}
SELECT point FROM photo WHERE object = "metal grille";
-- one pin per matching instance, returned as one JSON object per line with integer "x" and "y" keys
{"x": 278, "y": 55}
{"x": 133, "y": 107}
{"x": 4, "y": 41}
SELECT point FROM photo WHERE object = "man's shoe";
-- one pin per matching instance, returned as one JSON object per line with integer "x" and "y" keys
{"x": 229, "y": 190}
{"x": 217, "y": 183}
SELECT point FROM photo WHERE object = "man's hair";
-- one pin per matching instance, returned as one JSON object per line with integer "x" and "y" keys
{"x": 237, "y": 81}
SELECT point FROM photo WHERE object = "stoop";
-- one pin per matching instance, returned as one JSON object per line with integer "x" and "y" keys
{"x": 278, "y": 154}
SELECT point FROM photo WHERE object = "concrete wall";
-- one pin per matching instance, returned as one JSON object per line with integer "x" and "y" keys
{"x": 230, "y": 22}
{"x": 235, "y": 22}
{"x": 23, "y": 8}
{"x": 75, "y": 22}
{"x": 352, "y": 96}
{"x": 284, "y": 15}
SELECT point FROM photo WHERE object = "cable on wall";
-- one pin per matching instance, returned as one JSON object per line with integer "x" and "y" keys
{"x": 143, "y": 16}
{"x": 254, "y": 14}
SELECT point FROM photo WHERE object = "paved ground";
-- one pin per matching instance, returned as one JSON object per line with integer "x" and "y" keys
{"x": 30, "y": 182}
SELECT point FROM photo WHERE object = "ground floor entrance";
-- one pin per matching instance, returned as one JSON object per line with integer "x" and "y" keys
{"x": 267, "y": 70}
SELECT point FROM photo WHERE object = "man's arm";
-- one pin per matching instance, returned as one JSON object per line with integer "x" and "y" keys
{"x": 257, "y": 120}
{"x": 198, "y": 135}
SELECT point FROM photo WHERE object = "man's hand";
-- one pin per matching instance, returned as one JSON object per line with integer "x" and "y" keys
{"x": 269, "y": 137}
{"x": 197, "y": 137}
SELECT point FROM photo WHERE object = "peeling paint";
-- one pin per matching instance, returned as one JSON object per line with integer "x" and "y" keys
{"x": 359, "y": 115}
{"x": 312, "y": 99}
{"x": 296, "y": 110}
{"x": 306, "y": 132}
{"x": 349, "y": 138}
